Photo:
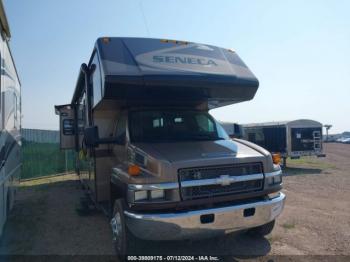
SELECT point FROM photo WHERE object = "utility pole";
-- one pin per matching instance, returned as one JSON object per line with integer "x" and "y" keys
{"x": 327, "y": 129}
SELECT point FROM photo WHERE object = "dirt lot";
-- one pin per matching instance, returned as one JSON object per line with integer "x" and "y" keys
{"x": 316, "y": 221}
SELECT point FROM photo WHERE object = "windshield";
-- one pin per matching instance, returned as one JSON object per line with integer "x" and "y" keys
{"x": 173, "y": 125}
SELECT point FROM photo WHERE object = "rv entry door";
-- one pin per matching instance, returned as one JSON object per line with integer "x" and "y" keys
{"x": 67, "y": 126}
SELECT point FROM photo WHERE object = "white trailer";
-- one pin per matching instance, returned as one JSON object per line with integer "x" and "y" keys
{"x": 10, "y": 123}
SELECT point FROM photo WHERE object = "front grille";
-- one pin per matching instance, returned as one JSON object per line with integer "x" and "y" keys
{"x": 218, "y": 190}
{"x": 197, "y": 175}
{"x": 187, "y": 174}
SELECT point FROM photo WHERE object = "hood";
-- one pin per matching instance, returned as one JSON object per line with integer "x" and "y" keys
{"x": 198, "y": 150}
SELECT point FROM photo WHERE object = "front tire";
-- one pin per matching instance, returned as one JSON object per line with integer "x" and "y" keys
{"x": 123, "y": 240}
{"x": 262, "y": 230}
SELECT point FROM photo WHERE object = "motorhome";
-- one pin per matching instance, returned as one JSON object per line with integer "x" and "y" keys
{"x": 10, "y": 123}
{"x": 149, "y": 152}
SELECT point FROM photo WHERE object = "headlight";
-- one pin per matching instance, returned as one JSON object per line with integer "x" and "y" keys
{"x": 145, "y": 195}
{"x": 157, "y": 194}
{"x": 141, "y": 195}
{"x": 275, "y": 179}
{"x": 153, "y": 193}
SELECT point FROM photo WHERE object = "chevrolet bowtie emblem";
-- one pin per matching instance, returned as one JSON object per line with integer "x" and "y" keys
{"x": 224, "y": 180}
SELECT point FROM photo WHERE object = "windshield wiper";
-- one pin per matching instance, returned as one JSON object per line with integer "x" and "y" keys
{"x": 206, "y": 137}
{"x": 181, "y": 138}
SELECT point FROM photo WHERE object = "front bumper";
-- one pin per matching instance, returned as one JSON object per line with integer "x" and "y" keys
{"x": 205, "y": 222}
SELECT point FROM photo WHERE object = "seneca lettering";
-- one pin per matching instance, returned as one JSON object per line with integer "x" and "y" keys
{"x": 183, "y": 60}
{"x": 211, "y": 62}
{"x": 158, "y": 59}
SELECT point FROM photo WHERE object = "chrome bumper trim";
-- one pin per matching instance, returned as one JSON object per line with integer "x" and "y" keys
{"x": 223, "y": 180}
{"x": 153, "y": 186}
{"x": 188, "y": 225}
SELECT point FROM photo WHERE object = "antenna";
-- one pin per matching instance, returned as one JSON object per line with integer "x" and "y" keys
{"x": 144, "y": 17}
{"x": 327, "y": 129}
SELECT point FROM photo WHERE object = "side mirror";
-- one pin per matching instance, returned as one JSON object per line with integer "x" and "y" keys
{"x": 91, "y": 136}
{"x": 237, "y": 131}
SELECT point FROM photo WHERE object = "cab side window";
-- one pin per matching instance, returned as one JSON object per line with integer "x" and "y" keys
{"x": 205, "y": 124}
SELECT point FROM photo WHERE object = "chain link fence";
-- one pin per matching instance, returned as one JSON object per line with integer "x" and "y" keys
{"x": 42, "y": 156}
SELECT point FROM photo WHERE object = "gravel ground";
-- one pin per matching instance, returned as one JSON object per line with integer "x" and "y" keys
{"x": 47, "y": 218}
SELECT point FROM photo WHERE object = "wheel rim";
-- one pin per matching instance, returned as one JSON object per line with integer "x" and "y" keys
{"x": 116, "y": 224}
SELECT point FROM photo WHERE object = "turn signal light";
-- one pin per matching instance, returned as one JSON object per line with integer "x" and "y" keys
{"x": 134, "y": 170}
{"x": 276, "y": 158}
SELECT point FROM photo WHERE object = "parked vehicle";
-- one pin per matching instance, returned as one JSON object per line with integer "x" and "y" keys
{"x": 292, "y": 139}
{"x": 149, "y": 152}
{"x": 10, "y": 124}
{"x": 345, "y": 140}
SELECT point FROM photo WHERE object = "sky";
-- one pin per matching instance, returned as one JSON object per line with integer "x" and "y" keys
{"x": 299, "y": 50}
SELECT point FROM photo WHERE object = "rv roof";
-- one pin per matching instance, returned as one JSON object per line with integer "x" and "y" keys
{"x": 144, "y": 68}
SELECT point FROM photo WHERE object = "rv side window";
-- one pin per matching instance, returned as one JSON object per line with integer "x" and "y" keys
{"x": 68, "y": 127}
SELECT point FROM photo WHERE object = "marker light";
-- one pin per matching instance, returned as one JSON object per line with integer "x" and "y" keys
{"x": 134, "y": 170}
{"x": 174, "y": 41}
{"x": 105, "y": 40}
{"x": 276, "y": 158}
